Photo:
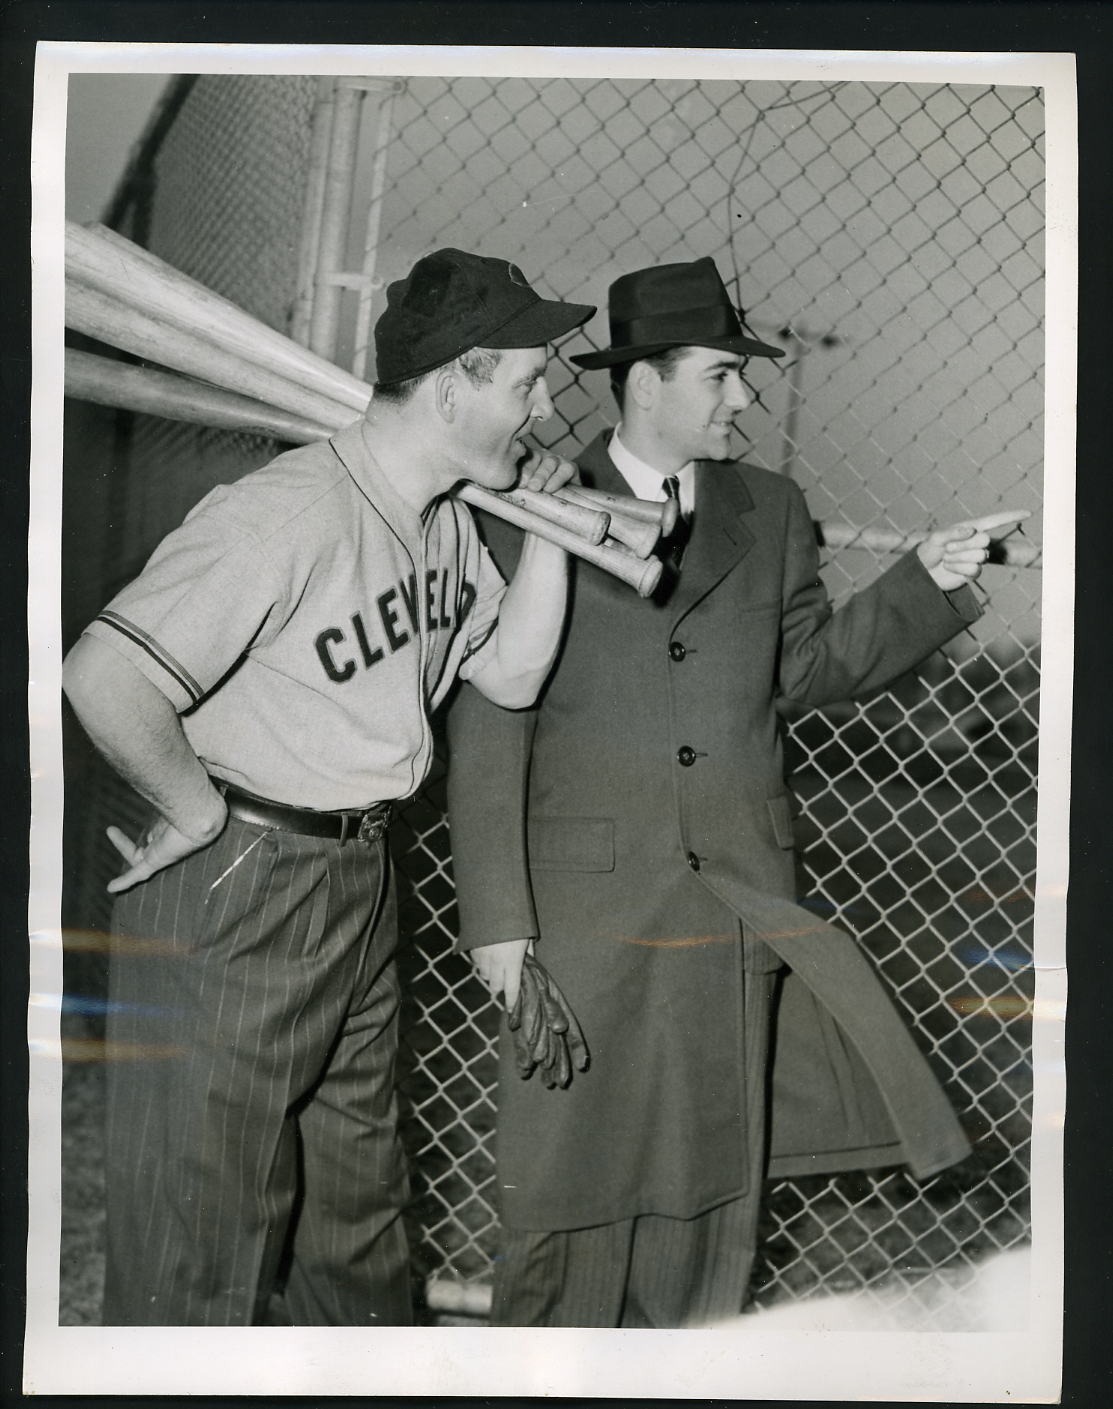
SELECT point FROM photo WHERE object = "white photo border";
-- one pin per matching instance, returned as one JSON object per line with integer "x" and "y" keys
{"x": 1022, "y": 1366}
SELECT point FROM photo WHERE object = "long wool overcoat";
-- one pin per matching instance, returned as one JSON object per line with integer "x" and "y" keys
{"x": 637, "y": 822}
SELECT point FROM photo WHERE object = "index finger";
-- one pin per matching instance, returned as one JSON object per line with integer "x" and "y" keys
{"x": 560, "y": 473}
{"x": 540, "y": 471}
{"x": 992, "y": 521}
{"x": 139, "y": 872}
{"x": 529, "y": 457}
{"x": 528, "y": 466}
{"x": 128, "y": 849}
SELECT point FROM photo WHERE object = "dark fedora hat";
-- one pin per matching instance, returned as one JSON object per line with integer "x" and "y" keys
{"x": 672, "y": 305}
{"x": 451, "y": 301}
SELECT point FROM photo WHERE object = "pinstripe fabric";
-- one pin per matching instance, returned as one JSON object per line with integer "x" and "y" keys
{"x": 253, "y": 985}
{"x": 649, "y": 1271}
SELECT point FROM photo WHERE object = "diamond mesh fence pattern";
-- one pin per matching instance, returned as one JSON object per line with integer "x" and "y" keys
{"x": 891, "y": 237}
{"x": 227, "y": 194}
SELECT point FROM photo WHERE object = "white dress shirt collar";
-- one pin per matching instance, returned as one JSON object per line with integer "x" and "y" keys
{"x": 647, "y": 483}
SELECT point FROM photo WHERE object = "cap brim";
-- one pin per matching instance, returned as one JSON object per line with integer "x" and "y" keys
{"x": 612, "y": 356}
{"x": 542, "y": 322}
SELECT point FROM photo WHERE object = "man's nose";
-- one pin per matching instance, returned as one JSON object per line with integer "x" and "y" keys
{"x": 542, "y": 407}
{"x": 737, "y": 398}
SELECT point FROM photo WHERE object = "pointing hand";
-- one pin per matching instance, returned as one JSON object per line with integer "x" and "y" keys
{"x": 955, "y": 555}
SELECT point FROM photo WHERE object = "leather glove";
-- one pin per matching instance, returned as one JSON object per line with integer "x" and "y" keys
{"x": 547, "y": 1036}
{"x": 524, "y": 1021}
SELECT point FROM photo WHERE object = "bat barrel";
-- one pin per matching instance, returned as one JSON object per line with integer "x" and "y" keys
{"x": 114, "y": 266}
{"x": 166, "y": 394}
{"x": 663, "y": 513}
{"x": 640, "y": 538}
{"x": 102, "y": 317}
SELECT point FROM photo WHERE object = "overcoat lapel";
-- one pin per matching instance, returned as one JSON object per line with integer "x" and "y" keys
{"x": 720, "y": 539}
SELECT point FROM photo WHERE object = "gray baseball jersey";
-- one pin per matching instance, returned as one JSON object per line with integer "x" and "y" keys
{"x": 306, "y": 621}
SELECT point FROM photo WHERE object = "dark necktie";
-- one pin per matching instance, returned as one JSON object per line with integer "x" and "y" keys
{"x": 672, "y": 547}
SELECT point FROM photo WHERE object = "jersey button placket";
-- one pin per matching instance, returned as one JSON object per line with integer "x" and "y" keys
{"x": 424, "y": 641}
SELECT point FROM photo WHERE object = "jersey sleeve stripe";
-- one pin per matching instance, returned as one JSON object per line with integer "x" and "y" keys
{"x": 155, "y": 651}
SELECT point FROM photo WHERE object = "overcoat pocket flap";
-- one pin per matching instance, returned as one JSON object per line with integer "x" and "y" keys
{"x": 571, "y": 843}
{"x": 780, "y": 811}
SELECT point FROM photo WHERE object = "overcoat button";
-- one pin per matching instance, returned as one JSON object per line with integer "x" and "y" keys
{"x": 676, "y": 651}
{"x": 693, "y": 860}
{"x": 685, "y": 756}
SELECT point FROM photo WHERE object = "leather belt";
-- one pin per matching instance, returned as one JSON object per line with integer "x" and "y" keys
{"x": 367, "y": 824}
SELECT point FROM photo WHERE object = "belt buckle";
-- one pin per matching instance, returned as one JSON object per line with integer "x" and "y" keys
{"x": 373, "y": 825}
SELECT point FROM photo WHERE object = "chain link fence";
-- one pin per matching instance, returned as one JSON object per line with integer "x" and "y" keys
{"x": 890, "y": 237}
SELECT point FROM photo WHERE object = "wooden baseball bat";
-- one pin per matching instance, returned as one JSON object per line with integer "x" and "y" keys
{"x": 589, "y": 524}
{"x": 639, "y": 538}
{"x": 109, "y": 383}
{"x": 101, "y": 316}
{"x": 642, "y": 575}
{"x": 275, "y": 403}
{"x": 663, "y": 513}
{"x": 177, "y": 398}
{"x": 104, "y": 260}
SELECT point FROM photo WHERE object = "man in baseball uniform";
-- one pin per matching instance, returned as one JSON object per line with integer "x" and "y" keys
{"x": 643, "y": 841}
{"x": 266, "y": 683}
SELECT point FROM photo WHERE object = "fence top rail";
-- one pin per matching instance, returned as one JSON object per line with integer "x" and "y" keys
{"x": 834, "y": 534}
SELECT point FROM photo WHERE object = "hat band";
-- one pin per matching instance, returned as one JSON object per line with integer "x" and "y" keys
{"x": 681, "y": 325}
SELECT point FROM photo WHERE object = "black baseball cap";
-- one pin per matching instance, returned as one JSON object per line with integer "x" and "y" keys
{"x": 452, "y": 301}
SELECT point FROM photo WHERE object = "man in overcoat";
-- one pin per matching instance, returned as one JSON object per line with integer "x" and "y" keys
{"x": 635, "y": 826}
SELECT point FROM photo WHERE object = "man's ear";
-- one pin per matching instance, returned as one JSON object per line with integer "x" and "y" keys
{"x": 446, "y": 390}
{"x": 642, "y": 381}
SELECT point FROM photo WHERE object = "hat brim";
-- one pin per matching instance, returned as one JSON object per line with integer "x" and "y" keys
{"x": 612, "y": 356}
{"x": 542, "y": 322}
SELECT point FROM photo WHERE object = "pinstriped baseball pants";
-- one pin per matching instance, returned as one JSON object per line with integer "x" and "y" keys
{"x": 251, "y": 1109}
{"x": 650, "y": 1272}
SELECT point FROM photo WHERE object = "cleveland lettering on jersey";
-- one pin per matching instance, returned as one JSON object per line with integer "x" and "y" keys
{"x": 371, "y": 634}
